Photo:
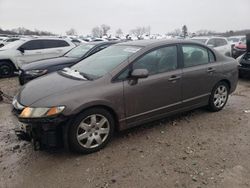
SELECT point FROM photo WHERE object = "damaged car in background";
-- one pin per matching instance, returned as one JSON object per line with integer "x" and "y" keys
{"x": 122, "y": 86}
{"x": 244, "y": 60}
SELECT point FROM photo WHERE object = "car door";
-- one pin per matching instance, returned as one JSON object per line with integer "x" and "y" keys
{"x": 199, "y": 74}
{"x": 157, "y": 94}
{"x": 30, "y": 51}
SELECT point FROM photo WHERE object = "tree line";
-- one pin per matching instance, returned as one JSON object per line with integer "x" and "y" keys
{"x": 24, "y": 31}
{"x": 103, "y": 30}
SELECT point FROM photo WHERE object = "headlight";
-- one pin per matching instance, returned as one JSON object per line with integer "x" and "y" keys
{"x": 41, "y": 112}
{"x": 36, "y": 72}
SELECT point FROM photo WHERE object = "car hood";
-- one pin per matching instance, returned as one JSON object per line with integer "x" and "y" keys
{"x": 43, "y": 64}
{"x": 45, "y": 86}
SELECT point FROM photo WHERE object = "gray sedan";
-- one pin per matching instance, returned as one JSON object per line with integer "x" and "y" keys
{"x": 120, "y": 87}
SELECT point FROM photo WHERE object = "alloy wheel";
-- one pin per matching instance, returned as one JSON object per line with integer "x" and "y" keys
{"x": 220, "y": 96}
{"x": 93, "y": 131}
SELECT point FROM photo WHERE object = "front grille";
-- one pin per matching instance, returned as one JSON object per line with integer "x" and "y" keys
{"x": 246, "y": 65}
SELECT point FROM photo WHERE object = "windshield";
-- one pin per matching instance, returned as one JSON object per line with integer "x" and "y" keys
{"x": 79, "y": 51}
{"x": 233, "y": 39}
{"x": 203, "y": 41}
{"x": 14, "y": 44}
{"x": 104, "y": 61}
{"x": 243, "y": 40}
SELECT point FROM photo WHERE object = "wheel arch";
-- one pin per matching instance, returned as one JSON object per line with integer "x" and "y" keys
{"x": 10, "y": 61}
{"x": 109, "y": 109}
{"x": 227, "y": 82}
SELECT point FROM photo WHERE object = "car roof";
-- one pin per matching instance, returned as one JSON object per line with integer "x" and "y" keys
{"x": 45, "y": 38}
{"x": 100, "y": 42}
{"x": 149, "y": 42}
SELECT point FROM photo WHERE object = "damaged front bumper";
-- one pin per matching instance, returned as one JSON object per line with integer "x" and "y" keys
{"x": 44, "y": 133}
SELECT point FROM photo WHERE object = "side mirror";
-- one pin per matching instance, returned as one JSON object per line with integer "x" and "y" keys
{"x": 139, "y": 73}
{"x": 21, "y": 50}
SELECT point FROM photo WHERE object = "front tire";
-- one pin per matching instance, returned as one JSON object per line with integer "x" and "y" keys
{"x": 91, "y": 130}
{"x": 6, "y": 69}
{"x": 218, "y": 97}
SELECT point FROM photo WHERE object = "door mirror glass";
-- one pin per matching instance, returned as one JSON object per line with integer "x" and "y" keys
{"x": 139, "y": 73}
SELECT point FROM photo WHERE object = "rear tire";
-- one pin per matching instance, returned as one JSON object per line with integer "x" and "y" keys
{"x": 91, "y": 130}
{"x": 218, "y": 97}
{"x": 6, "y": 69}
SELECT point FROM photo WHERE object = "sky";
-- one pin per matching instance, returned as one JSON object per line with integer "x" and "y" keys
{"x": 162, "y": 16}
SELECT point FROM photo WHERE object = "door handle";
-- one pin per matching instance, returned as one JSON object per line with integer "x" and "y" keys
{"x": 38, "y": 52}
{"x": 174, "y": 78}
{"x": 210, "y": 70}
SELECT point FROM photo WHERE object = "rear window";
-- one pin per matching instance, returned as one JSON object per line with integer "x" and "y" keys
{"x": 233, "y": 39}
{"x": 220, "y": 42}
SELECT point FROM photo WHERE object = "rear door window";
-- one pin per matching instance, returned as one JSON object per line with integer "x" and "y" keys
{"x": 194, "y": 55}
{"x": 33, "y": 45}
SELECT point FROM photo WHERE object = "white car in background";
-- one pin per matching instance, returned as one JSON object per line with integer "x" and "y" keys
{"x": 27, "y": 50}
{"x": 221, "y": 44}
{"x": 7, "y": 41}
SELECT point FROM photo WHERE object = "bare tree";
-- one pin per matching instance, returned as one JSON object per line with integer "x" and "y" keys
{"x": 119, "y": 32}
{"x": 105, "y": 28}
{"x": 176, "y": 32}
{"x": 72, "y": 31}
{"x": 97, "y": 32}
{"x": 139, "y": 31}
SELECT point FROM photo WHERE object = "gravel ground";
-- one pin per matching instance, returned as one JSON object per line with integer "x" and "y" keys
{"x": 194, "y": 149}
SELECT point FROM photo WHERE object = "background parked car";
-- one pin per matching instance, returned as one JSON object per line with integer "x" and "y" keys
{"x": 244, "y": 60}
{"x": 36, "y": 69}
{"x": 236, "y": 39}
{"x": 244, "y": 64}
{"x": 239, "y": 48}
{"x": 77, "y": 41}
{"x": 8, "y": 40}
{"x": 25, "y": 50}
{"x": 220, "y": 44}
{"x": 2, "y": 38}
{"x": 120, "y": 87}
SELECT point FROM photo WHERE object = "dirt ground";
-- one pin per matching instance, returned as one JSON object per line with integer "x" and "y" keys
{"x": 194, "y": 149}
